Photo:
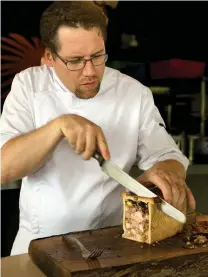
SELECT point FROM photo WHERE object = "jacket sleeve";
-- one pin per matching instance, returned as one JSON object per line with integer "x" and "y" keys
{"x": 16, "y": 118}
{"x": 154, "y": 142}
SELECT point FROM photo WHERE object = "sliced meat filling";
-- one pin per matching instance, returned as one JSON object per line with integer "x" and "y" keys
{"x": 136, "y": 220}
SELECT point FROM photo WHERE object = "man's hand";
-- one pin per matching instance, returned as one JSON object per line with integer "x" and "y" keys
{"x": 84, "y": 136}
{"x": 169, "y": 176}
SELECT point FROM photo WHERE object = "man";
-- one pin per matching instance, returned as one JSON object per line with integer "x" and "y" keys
{"x": 57, "y": 115}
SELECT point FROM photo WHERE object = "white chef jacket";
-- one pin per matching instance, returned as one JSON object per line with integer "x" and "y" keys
{"x": 67, "y": 193}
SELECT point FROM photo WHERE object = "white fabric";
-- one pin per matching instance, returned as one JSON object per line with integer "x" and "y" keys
{"x": 68, "y": 193}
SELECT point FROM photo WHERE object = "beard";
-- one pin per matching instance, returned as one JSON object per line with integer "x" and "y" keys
{"x": 87, "y": 93}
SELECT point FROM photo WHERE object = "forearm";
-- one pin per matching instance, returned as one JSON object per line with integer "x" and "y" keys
{"x": 24, "y": 155}
{"x": 172, "y": 166}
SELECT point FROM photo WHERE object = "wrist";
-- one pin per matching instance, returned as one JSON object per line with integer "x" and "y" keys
{"x": 172, "y": 166}
{"x": 58, "y": 125}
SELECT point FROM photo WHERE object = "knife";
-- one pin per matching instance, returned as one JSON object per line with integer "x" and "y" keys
{"x": 116, "y": 173}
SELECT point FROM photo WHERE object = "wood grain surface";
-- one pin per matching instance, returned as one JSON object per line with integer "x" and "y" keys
{"x": 121, "y": 257}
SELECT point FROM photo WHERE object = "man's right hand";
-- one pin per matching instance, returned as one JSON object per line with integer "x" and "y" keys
{"x": 84, "y": 136}
{"x": 19, "y": 157}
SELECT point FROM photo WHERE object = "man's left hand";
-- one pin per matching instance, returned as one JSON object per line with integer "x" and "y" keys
{"x": 169, "y": 176}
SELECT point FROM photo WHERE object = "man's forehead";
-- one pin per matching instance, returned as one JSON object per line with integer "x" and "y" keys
{"x": 79, "y": 42}
{"x": 72, "y": 34}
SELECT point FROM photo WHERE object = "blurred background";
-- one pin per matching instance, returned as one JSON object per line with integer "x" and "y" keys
{"x": 161, "y": 44}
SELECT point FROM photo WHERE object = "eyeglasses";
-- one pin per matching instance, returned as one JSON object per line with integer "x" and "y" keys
{"x": 80, "y": 63}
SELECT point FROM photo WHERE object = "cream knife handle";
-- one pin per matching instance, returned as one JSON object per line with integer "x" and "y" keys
{"x": 99, "y": 158}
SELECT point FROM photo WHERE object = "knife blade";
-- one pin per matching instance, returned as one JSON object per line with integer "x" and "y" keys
{"x": 116, "y": 173}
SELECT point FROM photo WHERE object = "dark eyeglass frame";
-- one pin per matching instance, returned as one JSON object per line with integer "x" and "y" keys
{"x": 83, "y": 60}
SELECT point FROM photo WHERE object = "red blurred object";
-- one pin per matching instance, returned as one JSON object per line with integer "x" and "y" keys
{"x": 18, "y": 54}
{"x": 176, "y": 68}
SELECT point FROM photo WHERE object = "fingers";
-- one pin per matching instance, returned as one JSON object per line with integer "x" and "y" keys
{"x": 102, "y": 145}
{"x": 80, "y": 142}
{"x": 91, "y": 140}
{"x": 86, "y": 139}
{"x": 175, "y": 193}
{"x": 90, "y": 145}
{"x": 163, "y": 185}
{"x": 182, "y": 193}
{"x": 190, "y": 198}
{"x": 84, "y": 136}
{"x": 182, "y": 201}
{"x": 72, "y": 139}
{"x": 178, "y": 191}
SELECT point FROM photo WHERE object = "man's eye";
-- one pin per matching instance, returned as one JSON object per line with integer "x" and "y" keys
{"x": 75, "y": 61}
{"x": 97, "y": 57}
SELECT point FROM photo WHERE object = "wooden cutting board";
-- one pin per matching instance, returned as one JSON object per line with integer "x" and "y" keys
{"x": 121, "y": 257}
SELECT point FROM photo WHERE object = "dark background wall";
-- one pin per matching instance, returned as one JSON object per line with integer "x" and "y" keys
{"x": 22, "y": 16}
{"x": 165, "y": 29}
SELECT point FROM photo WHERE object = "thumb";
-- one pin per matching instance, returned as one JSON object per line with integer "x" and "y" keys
{"x": 143, "y": 180}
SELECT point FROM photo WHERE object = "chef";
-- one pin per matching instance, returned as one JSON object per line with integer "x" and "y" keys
{"x": 58, "y": 114}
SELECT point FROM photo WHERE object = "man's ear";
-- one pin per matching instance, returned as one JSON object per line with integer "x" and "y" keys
{"x": 48, "y": 58}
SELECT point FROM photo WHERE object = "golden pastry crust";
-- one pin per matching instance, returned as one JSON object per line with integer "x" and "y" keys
{"x": 144, "y": 222}
{"x": 136, "y": 198}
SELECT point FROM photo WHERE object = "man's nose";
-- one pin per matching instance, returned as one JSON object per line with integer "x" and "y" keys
{"x": 89, "y": 69}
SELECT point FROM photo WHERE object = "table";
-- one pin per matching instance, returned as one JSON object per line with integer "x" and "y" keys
{"x": 22, "y": 266}
{"x": 19, "y": 266}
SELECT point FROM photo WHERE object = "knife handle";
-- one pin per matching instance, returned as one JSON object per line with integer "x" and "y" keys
{"x": 99, "y": 158}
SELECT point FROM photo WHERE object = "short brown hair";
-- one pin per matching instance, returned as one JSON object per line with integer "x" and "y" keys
{"x": 74, "y": 14}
